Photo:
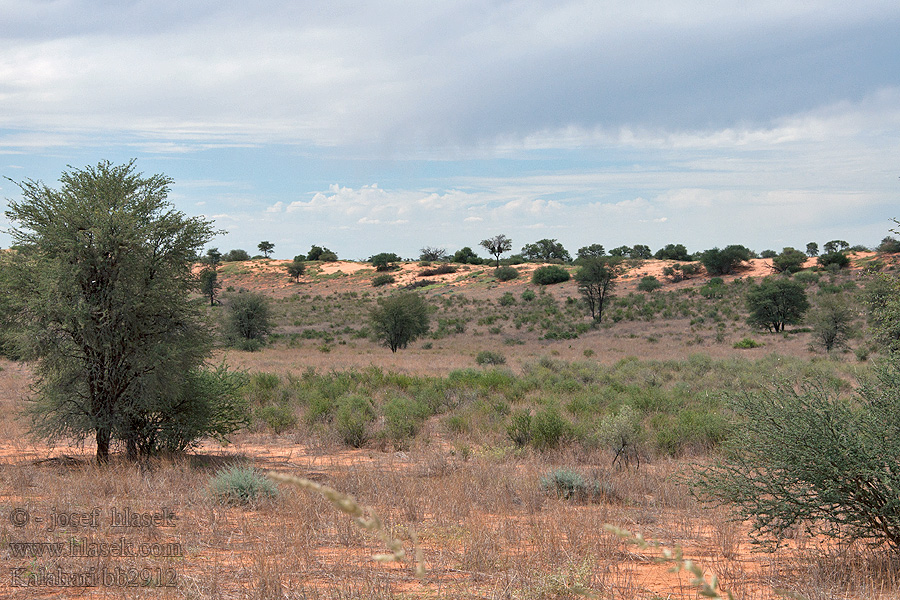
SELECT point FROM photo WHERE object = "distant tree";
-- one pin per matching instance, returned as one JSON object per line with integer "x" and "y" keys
{"x": 497, "y": 245}
{"x": 641, "y": 251}
{"x": 621, "y": 251}
{"x": 296, "y": 268}
{"x": 837, "y": 258}
{"x": 649, "y": 284}
{"x": 545, "y": 250}
{"x": 549, "y": 275}
{"x": 835, "y": 246}
{"x": 596, "y": 281}
{"x": 300, "y": 258}
{"x": 592, "y": 251}
{"x": 400, "y": 319}
{"x": 673, "y": 252}
{"x": 889, "y": 245}
{"x": 384, "y": 261}
{"x": 768, "y": 254}
{"x": 681, "y": 271}
{"x": 321, "y": 253}
{"x": 235, "y": 255}
{"x": 724, "y": 261}
{"x": 789, "y": 261}
{"x": 466, "y": 256}
{"x": 266, "y": 247}
{"x": 832, "y": 321}
{"x": 812, "y": 249}
{"x": 432, "y": 254}
{"x": 213, "y": 256}
{"x": 209, "y": 284}
{"x": 249, "y": 321}
{"x": 775, "y": 303}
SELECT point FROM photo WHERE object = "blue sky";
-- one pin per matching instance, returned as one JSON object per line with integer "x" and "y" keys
{"x": 388, "y": 126}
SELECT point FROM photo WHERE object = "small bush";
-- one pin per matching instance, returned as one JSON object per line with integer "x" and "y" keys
{"x": 807, "y": 277}
{"x": 548, "y": 428}
{"x": 380, "y": 280}
{"x": 519, "y": 428}
{"x": 549, "y": 275}
{"x": 402, "y": 419}
{"x": 240, "y": 484}
{"x": 249, "y": 321}
{"x": 439, "y": 270}
{"x": 571, "y": 485}
{"x": 353, "y": 419}
{"x": 506, "y": 273}
{"x": 277, "y": 417}
{"x": 507, "y": 299}
{"x": 649, "y": 284}
{"x": 487, "y": 357}
{"x": 747, "y": 344}
{"x": 528, "y": 295}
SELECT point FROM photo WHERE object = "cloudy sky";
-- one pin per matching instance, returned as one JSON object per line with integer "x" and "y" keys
{"x": 390, "y": 125}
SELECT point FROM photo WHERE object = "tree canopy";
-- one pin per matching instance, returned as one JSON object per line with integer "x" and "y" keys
{"x": 596, "y": 281}
{"x": 400, "y": 319}
{"x": 497, "y": 245}
{"x": 775, "y": 303}
{"x": 101, "y": 289}
{"x": 545, "y": 250}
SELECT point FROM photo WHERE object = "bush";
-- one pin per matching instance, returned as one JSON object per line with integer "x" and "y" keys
{"x": 467, "y": 256}
{"x": 832, "y": 321}
{"x": 649, "y": 284}
{"x": 235, "y": 255}
{"x": 810, "y": 458}
{"x": 487, "y": 357}
{"x": 789, "y": 261}
{"x": 549, "y": 275}
{"x": 506, "y": 273}
{"x": 402, "y": 419}
{"x": 775, "y": 303}
{"x": 249, "y": 321}
{"x": 889, "y": 245}
{"x": 528, "y": 295}
{"x": 241, "y": 485}
{"x": 384, "y": 279}
{"x": 384, "y": 261}
{"x": 548, "y": 429}
{"x": 439, "y": 270}
{"x": 353, "y": 418}
{"x": 838, "y": 259}
{"x": 400, "y": 319}
{"x": 571, "y": 485}
{"x": 519, "y": 428}
{"x": 277, "y": 417}
{"x": 507, "y": 299}
{"x": 747, "y": 344}
{"x": 724, "y": 261}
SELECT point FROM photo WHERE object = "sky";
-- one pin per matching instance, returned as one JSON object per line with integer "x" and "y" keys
{"x": 391, "y": 125}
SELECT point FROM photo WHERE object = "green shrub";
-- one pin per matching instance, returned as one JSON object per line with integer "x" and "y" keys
{"x": 519, "y": 428}
{"x": 806, "y": 277}
{"x": 402, "y": 419}
{"x": 384, "y": 279}
{"x": 548, "y": 428}
{"x": 649, "y": 284}
{"x": 571, "y": 485}
{"x": 747, "y": 344}
{"x": 506, "y": 273}
{"x": 833, "y": 260}
{"x": 528, "y": 295}
{"x": 549, "y": 275}
{"x": 240, "y": 484}
{"x": 487, "y": 357}
{"x": 507, "y": 299}
{"x": 249, "y": 321}
{"x": 353, "y": 419}
{"x": 277, "y": 417}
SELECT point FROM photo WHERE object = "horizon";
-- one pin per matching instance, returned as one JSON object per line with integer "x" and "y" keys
{"x": 387, "y": 127}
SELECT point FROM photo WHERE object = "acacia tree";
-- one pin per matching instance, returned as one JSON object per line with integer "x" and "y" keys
{"x": 546, "y": 250}
{"x": 775, "y": 303}
{"x": 265, "y": 247}
{"x": 596, "y": 280}
{"x": 296, "y": 268}
{"x": 497, "y": 245}
{"x": 209, "y": 284}
{"x": 101, "y": 284}
{"x": 400, "y": 319}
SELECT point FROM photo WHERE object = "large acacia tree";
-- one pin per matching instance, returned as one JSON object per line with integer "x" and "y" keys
{"x": 596, "y": 281}
{"x": 100, "y": 287}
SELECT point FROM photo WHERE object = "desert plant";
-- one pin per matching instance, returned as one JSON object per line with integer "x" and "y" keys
{"x": 249, "y": 321}
{"x": 519, "y": 428}
{"x": 384, "y": 261}
{"x": 402, "y": 419}
{"x": 235, "y": 255}
{"x": 889, "y": 245}
{"x": 808, "y": 457}
{"x": 431, "y": 254}
{"x": 672, "y": 252}
{"x": 545, "y": 250}
{"x": 789, "y": 261}
{"x": 506, "y": 273}
{"x": 528, "y": 295}
{"x": 265, "y": 247}
{"x": 239, "y": 484}
{"x": 549, "y": 275}
{"x": 724, "y": 261}
{"x": 383, "y": 279}
{"x": 839, "y": 260}
{"x": 596, "y": 282}
{"x": 467, "y": 256}
{"x": 488, "y": 357}
{"x": 209, "y": 284}
{"x": 832, "y": 321}
{"x": 548, "y": 428}
{"x": 775, "y": 303}
{"x": 747, "y": 344}
{"x": 649, "y": 284}
{"x": 400, "y": 319}
{"x": 296, "y": 268}
{"x": 497, "y": 245}
{"x": 507, "y": 299}
{"x": 353, "y": 419}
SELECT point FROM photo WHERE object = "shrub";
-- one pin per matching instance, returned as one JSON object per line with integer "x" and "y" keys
{"x": 507, "y": 299}
{"x": 838, "y": 259}
{"x": 400, "y": 319}
{"x": 467, "y": 256}
{"x": 807, "y": 277}
{"x": 506, "y": 273}
{"x": 565, "y": 483}
{"x": 724, "y": 261}
{"x": 519, "y": 428}
{"x": 277, "y": 417}
{"x": 889, "y": 245}
{"x": 832, "y": 321}
{"x": 528, "y": 295}
{"x": 353, "y": 418}
{"x": 240, "y": 484}
{"x": 402, "y": 419}
{"x": 487, "y": 357}
{"x": 249, "y": 321}
{"x": 384, "y": 261}
{"x": 295, "y": 269}
{"x": 548, "y": 428}
{"x": 747, "y": 344}
{"x": 649, "y": 284}
{"x": 807, "y": 457}
{"x": 384, "y": 279}
{"x": 789, "y": 261}
{"x": 549, "y": 275}
{"x": 439, "y": 270}
{"x": 235, "y": 255}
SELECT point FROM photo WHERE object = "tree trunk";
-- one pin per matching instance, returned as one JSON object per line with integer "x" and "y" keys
{"x": 103, "y": 436}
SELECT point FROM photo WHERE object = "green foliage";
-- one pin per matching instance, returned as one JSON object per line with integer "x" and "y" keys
{"x": 775, "y": 303}
{"x": 249, "y": 321}
{"x": 768, "y": 254}
{"x": 209, "y": 284}
{"x": 488, "y": 357}
{"x": 497, "y": 245}
{"x": 213, "y": 257}
{"x": 400, "y": 319}
{"x": 296, "y": 268}
{"x": 277, "y": 417}
{"x": 438, "y": 270}
{"x": 528, "y": 295}
{"x": 353, "y": 420}
{"x": 545, "y": 251}
{"x": 672, "y": 252}
{"x": 838, "y": 259}
{"x": 649, "y": 284}
{"x": 384, "y": 261}
{"x": 592, "y": 251}
{"x": 812, "y": 249}
{"x": 835, "y": 246}
{"x": 882, "y": 298}
{"x": 467, "y": 256}
{"x": 807, "y": 277}
{"x": 98, "y": 294}
{"x": 383, "y": 279}
{"x": 506, "y": 273}
{"x": 789, "y": 261}
{"x": 239, "y": 484}
{"x": 321, "y": 253}
{"x": 832, "y": 321}
{"x": 519, "y": 428}
{"x": 622, "y": 433}
{"x": 810, "y": 458}
{"x": 747, "y": 344}
{"x": 565, "y": 483}
{"x": 507, "y": 299}
{"x": 402, "y": 419}
{"x": 889, "y": 245}
{"x": 596, "y": 282}
{"x": 235, "y": 255}
{"x": 548, "y": 428}
{"x": 549, "y": 275}
{"x": 265, "y": 247}
{"x": 724, "y": 261}
{"x": 431, "y": 254}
